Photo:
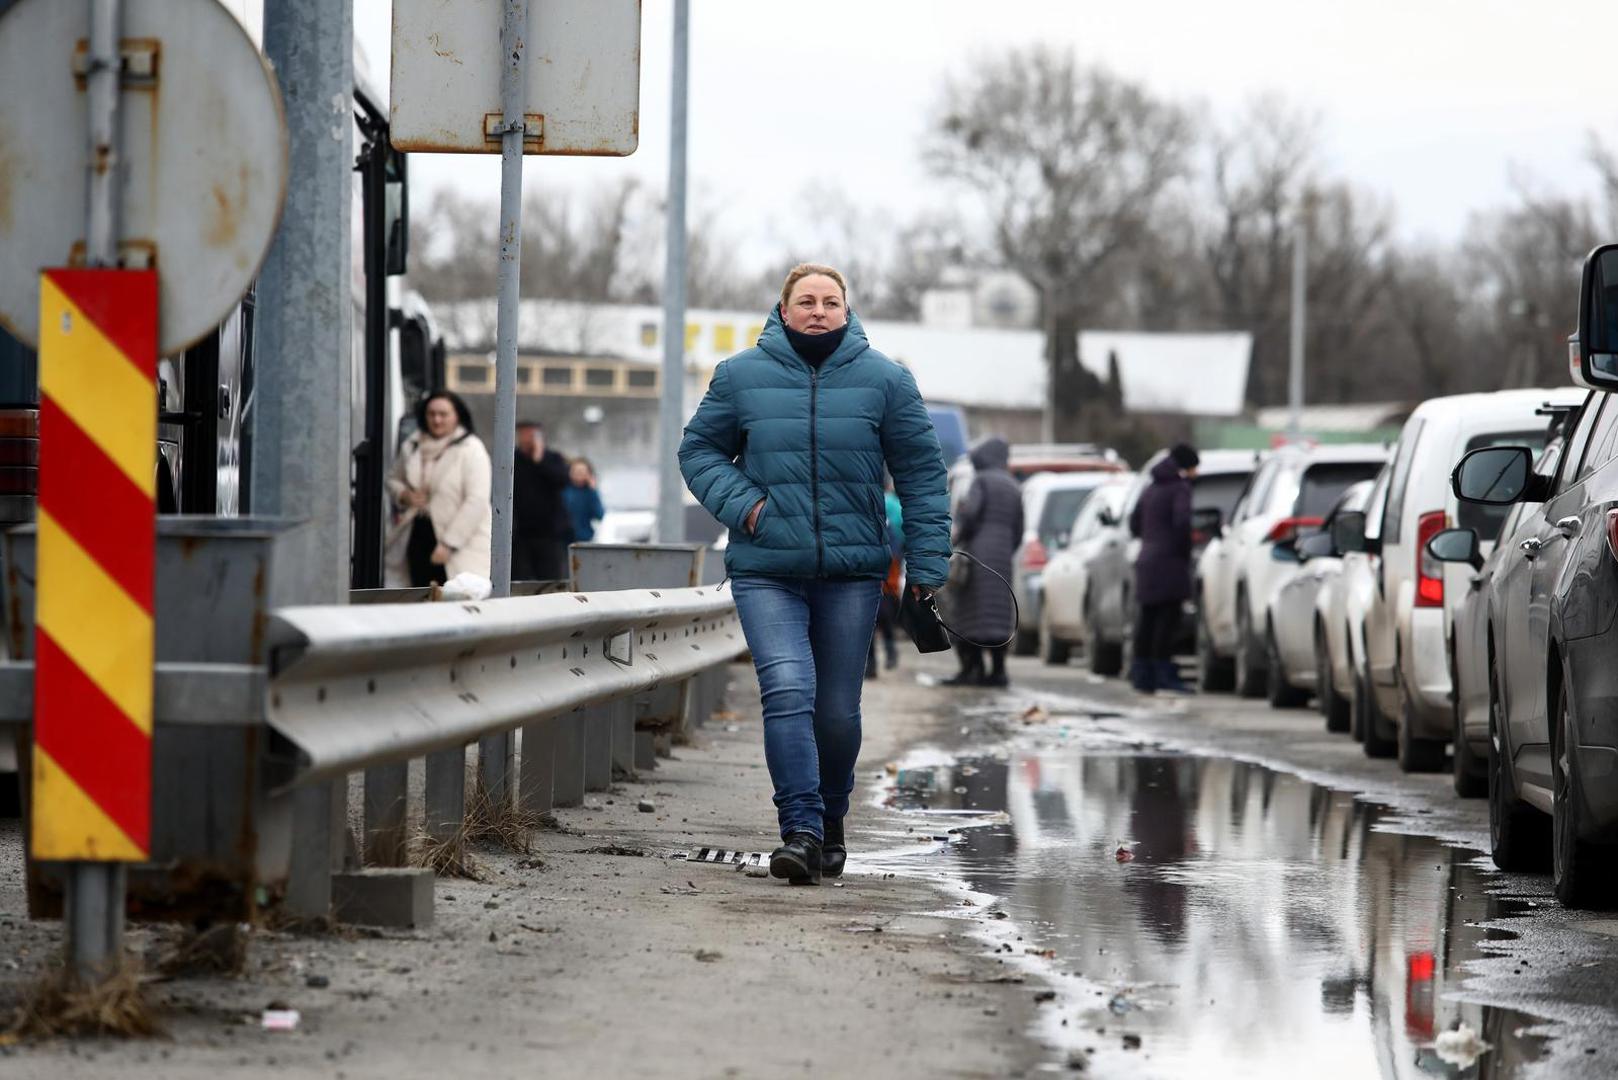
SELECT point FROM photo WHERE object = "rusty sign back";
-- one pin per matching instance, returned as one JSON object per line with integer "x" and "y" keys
{"x": 583, "y": 77}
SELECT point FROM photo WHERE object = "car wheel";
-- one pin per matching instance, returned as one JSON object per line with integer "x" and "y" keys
{"x": 1282, "y": 694}
{"x": 1333, "y": 708}
{"x": 1577, "y": 865}
{"x": 1106, "y": 657}
{"x": 1517, "y": 839}
{"x": 1415, "y": 754}
{"x": 1471, "y": 775}
{"x": 1052, "y": 650}
{"x": 1214, "y": 672}
{"x": 1250, "y": 681}
{"x": 1374, "y": 736}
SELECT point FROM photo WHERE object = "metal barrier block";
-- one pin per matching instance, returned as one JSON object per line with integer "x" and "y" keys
{"x": 384, "y": 897}
{"x": 567, "y": 785}
{"x": 598, "y": 567}
{"x": 597, "y": 723}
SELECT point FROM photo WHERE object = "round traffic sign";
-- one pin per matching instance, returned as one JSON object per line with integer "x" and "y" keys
{"x": 203, "y": 157}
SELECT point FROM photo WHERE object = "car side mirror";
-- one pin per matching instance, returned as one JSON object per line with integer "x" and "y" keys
{"x": 1456, "y": 546}
{"x": 1207, "y": 521}
{"x": 1593, "y": 350}
{"x": 1348, "y": 531}
{"x": 1107, "y": 518}
{"x": 1495, "y": 476}
{"x": 1316, "y": 546}
{"x": 1061, "y": 541}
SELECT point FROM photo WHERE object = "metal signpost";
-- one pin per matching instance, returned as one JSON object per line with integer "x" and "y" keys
{"x": 161, "y": 179}
{"x": 562, "y": 77}
{"x": 670, "y": 505}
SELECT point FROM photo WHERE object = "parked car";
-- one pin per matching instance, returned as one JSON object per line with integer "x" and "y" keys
{"x": 1110, "y": 619}
{"x": 1241, "y": 569}
{"x": 1355, "y": 541}
{"x": 1469, "y": 657}
{"x": 1553, "y": 633}
{"x": 1067, "y": 583}
{"x": 1302, "y": 655}
{"x": 1050, "y": 502}
{"x": 1407, "y": 623}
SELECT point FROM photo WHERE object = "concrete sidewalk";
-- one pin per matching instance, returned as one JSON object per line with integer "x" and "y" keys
{"x": 578, "y": 962}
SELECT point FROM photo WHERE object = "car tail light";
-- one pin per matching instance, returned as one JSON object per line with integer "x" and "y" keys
{"x": 1289, "y": 528}
{"x": 19, "y": 452}
{"x": 1034, "y": 555}
{"x": 1429, "y": 571}
{"x": 18, "y": 481}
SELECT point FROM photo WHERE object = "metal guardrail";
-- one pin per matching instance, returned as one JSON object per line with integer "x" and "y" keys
{"x": 353, "y": 686}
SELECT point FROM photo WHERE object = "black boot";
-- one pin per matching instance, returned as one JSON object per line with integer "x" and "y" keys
{"x": 971, "y": 673}
{"x": 833, "y": 853}
{"x": 797, "y": 860}
{"x": 997, "y": 672}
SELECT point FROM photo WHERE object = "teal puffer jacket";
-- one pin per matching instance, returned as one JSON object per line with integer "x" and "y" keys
{"x": 813, "y": 443}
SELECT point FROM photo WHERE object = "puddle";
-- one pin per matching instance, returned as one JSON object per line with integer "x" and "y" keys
{"x": 1258, "y": 926}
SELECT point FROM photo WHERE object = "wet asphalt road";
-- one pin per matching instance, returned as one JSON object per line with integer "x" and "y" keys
{"x": 1222, "y": 889}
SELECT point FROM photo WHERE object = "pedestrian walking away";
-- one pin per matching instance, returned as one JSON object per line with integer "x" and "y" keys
{"x": 584, "y": 507}
{"x": 787, "y": 449}
{"x": 1161, "y": 521}
{"x": 988, "y": 527}
{"x": 439, "y": 487}
{"x": 540, "y": 524}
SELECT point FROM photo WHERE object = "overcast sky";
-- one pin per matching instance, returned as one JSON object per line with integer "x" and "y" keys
{"x": 1435, "y": 104}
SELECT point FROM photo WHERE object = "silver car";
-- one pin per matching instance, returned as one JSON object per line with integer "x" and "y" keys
{"x": 1299, "y": 661}
{"x": 1050, "y": 502}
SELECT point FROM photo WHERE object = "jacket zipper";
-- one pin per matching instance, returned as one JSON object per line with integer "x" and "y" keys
{"x": 814, "y": 470}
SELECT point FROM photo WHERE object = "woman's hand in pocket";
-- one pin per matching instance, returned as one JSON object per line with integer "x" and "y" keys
{"x": 752, "y": 518}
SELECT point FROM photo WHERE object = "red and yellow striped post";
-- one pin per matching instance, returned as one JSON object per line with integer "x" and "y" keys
{"x": 94, "y": 640}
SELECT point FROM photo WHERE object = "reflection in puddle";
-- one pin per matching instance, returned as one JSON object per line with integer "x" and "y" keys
{"x": 1263, "y": 927}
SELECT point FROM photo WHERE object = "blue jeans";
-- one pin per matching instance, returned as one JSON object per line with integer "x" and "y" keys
{"x": 809, "y": 638}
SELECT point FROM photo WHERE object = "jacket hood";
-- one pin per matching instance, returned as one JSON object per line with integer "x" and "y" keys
{"x": 991, "y": 453}
{"x": 1165, "y": 471}
{"x": 774, "y": 341}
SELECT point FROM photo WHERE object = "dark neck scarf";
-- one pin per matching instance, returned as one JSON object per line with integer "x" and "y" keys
{"x": 814, "y": 348}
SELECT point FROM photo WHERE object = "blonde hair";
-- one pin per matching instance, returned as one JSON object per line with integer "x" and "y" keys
{"x": 803, "y": 270}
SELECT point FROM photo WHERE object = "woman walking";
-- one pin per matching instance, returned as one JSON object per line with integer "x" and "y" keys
{"x": 440, "y": 491}
{"x": 1161, "y": 521}
{"x": 787, "y": 449}
{"x": 988, "y": 527}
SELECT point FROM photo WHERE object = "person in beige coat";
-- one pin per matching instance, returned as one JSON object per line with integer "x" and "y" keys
{"x": 439, "y": 486}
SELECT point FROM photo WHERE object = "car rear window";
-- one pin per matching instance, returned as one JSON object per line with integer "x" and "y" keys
{"x": 1324, "y": 483}
{"x": 1218, "y": 491}
{"x": 1061, "y": 507}
{"x": 1486, "y": 520}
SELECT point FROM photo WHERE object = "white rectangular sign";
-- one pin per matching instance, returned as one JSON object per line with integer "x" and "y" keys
{"x": 583, "y": 76}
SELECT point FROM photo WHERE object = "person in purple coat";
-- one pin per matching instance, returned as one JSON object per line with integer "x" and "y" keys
{"x": 1161, "y": 521}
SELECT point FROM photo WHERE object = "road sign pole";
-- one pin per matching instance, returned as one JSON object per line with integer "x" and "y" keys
{"x": 671, "y": 413}
{"x": 95, "y": 890}
{"x": 494, "y": 751}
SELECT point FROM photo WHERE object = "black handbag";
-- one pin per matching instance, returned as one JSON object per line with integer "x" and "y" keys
{"x": 919, "y": 615}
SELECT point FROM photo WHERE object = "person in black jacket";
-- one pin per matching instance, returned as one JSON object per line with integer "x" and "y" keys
{"x": 1161, "y": 521}
{"x": 541, "y": 527}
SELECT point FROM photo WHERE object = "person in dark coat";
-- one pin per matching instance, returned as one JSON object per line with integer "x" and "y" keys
{"x": 1161, "y": 521}
{"x": 540, "y": 524}
{"x": 988, "y": 527}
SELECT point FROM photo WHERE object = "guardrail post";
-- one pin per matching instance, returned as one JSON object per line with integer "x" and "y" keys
{"x": 537, "y": 766}
{"x": 445, "y": 793}
{"x": 319, "y": 816}
{"x": 623, "y": 738}
{"x": 386, "y": 789}
{"x": 495, "y": 756}
{"x": 567, "y": 785}
{"x": 598, "y": 747}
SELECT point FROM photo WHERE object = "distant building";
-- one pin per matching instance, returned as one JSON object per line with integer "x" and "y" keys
{"x": 592, "y": 372}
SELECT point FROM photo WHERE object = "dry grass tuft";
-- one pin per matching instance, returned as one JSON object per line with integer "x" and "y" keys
{"x": 501, "y": 824}
{"x": 445, "y": 857}
{"x": 59, "y": 1005}
{"x": 218, "y": 950}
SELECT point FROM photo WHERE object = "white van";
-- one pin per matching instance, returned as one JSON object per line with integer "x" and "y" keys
{"x": 1411, "y": 608}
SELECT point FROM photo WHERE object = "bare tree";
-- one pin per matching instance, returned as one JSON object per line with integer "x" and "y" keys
{"x": 1070, "y": 162}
